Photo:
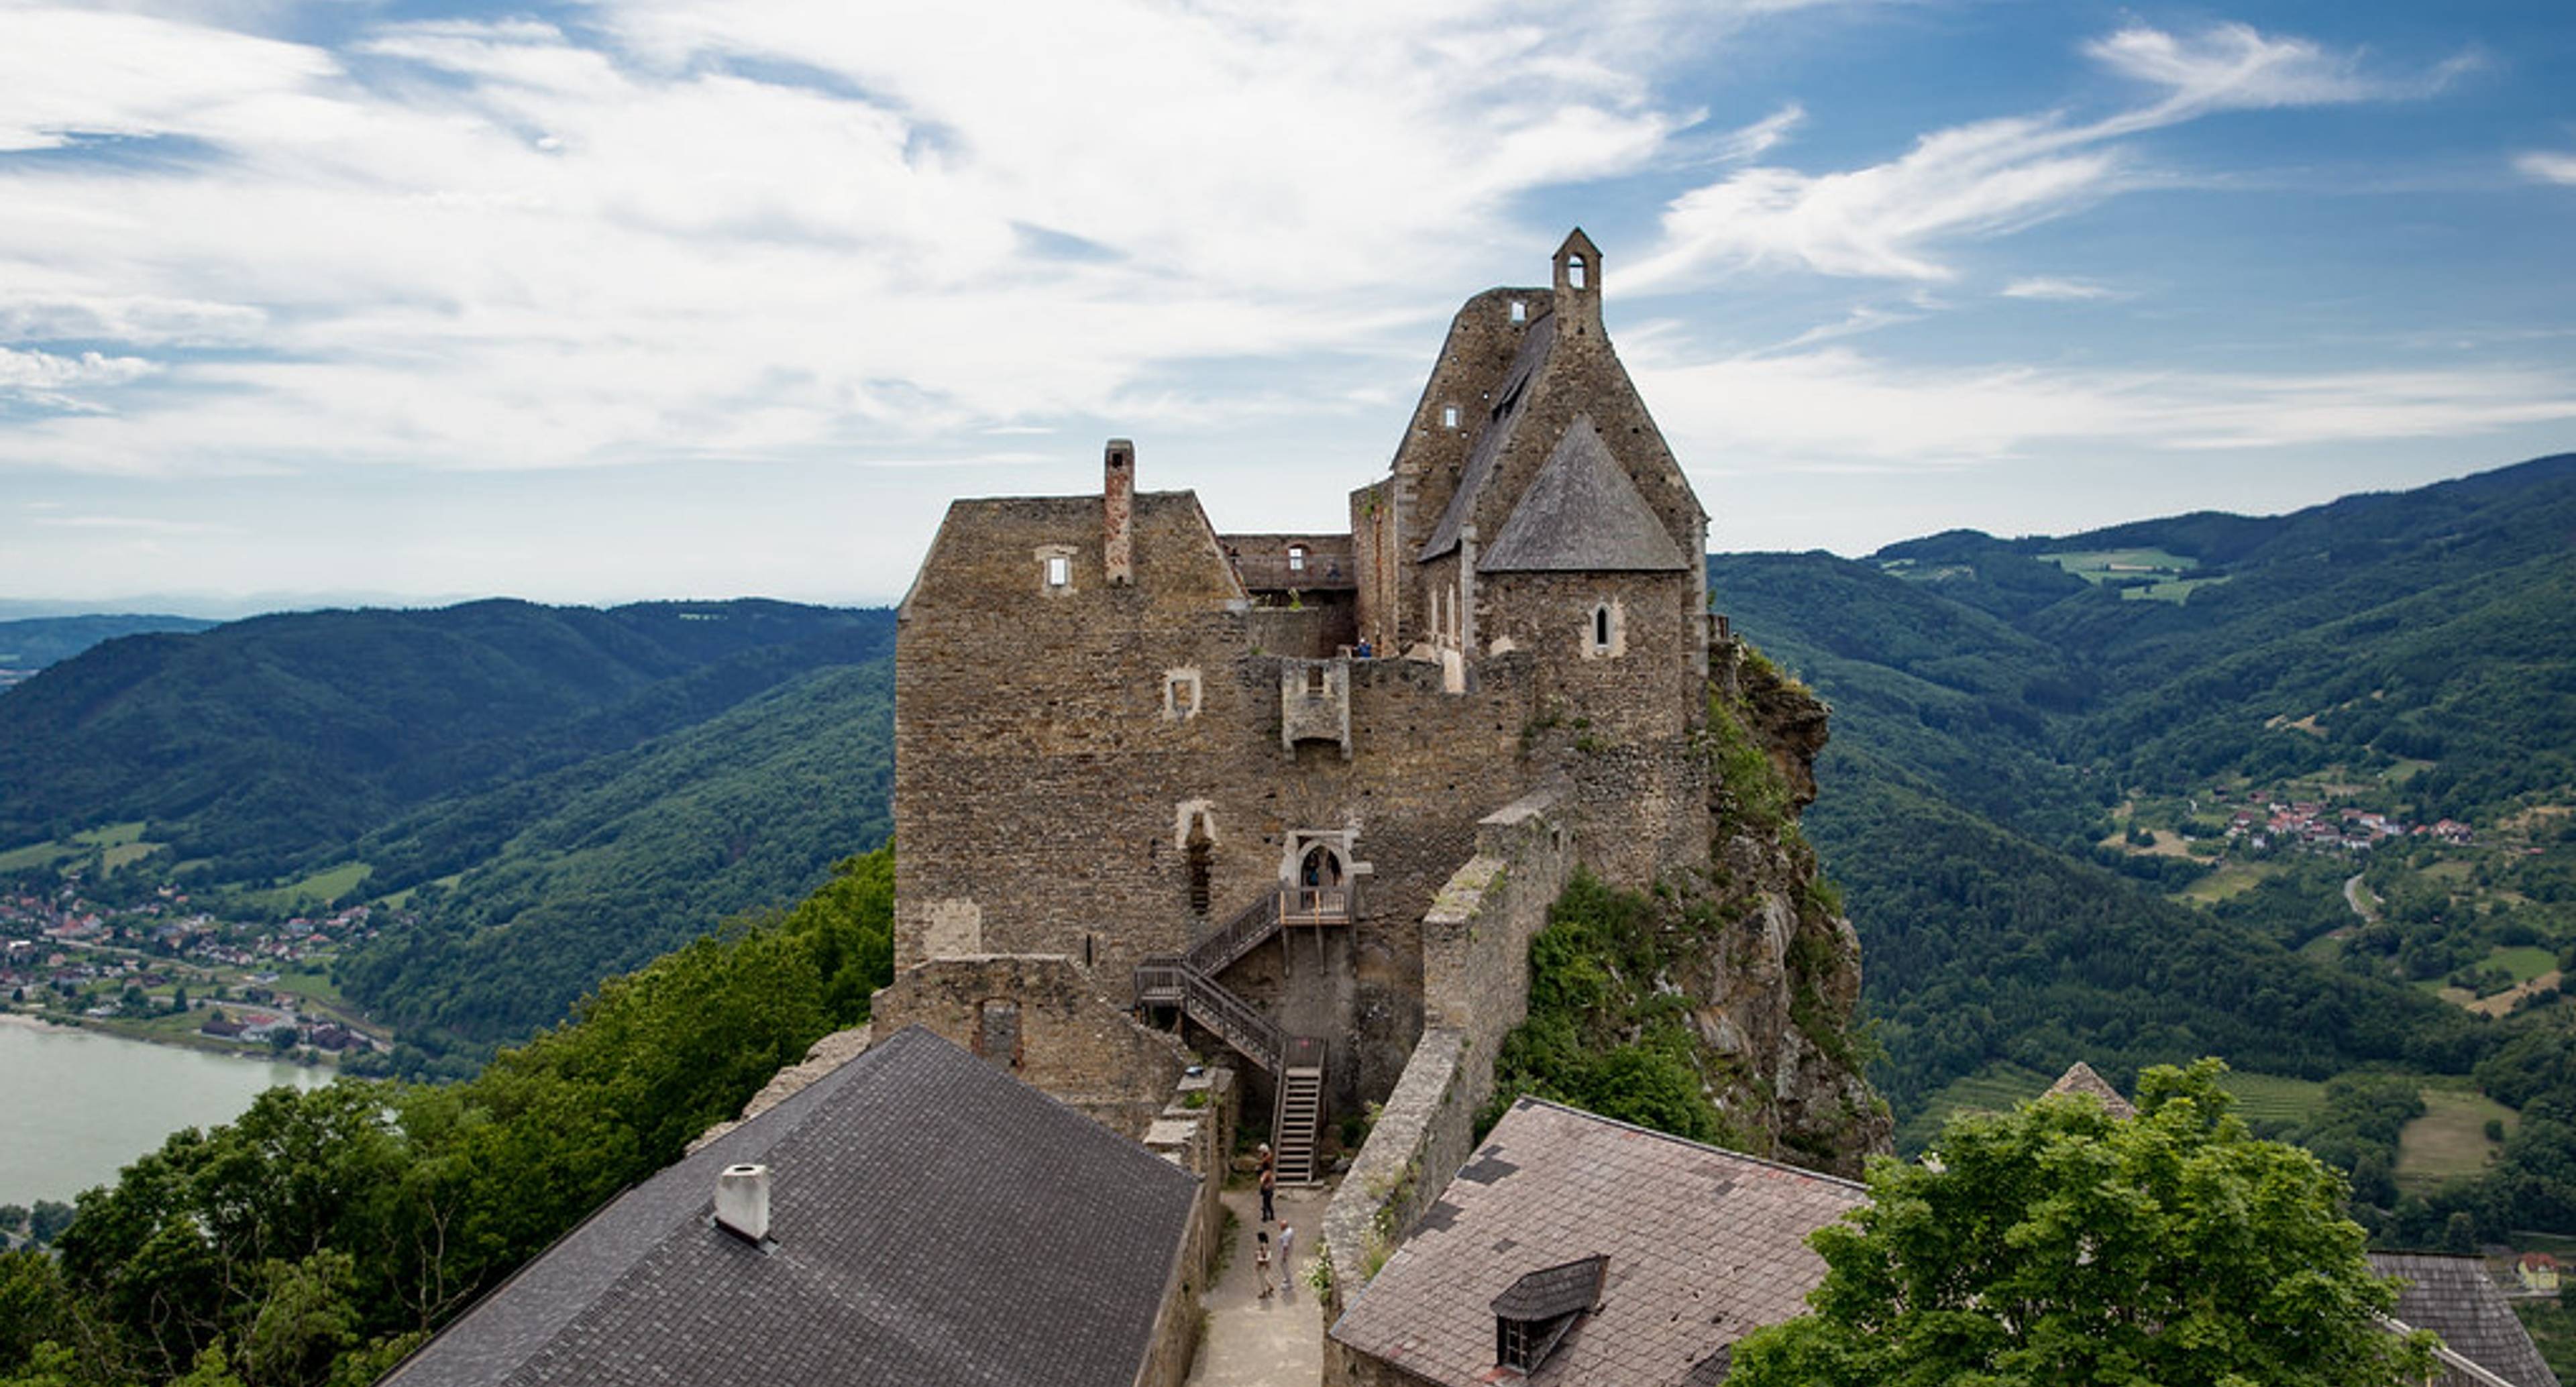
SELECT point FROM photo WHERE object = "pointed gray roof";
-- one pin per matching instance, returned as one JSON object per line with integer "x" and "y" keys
{"x": 2456, "y": 1299}
{"x": 1582, "y": 514}
{"x": 1504, "y": 416}
{"x": 2080, "y": 1078}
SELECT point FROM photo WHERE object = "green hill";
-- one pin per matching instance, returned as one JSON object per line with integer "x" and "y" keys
{"x": 2050, "y": 799}
{"x": 31, "y": 643}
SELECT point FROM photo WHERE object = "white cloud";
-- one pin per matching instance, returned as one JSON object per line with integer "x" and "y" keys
{"x": 66, "y": 73}
{"x": 1835, "y": 409}
{"x": 773, "y": 227}
{"x": 2234, "y": 67}
{"x": 1990, "y": 178}
{"x": 2057, "y": 289}
{"x": 49, "y": 380}
{"x": 2547, "y": 167}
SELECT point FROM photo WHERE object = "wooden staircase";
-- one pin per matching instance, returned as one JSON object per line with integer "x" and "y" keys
{"x": 1188, "y": 981}
{"x": 1296, "y": 1122}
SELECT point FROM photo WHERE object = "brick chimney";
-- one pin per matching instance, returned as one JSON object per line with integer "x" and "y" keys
{"x": 1118, "y": 512}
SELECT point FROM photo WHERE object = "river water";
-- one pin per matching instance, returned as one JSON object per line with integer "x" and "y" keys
{"x": 76, "y": 1105}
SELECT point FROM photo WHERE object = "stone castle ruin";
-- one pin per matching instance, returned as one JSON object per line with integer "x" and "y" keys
{"x": 1306, "y": 797}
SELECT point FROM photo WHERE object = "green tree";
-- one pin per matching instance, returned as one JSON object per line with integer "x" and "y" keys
{"x": 2062, "y": 1245}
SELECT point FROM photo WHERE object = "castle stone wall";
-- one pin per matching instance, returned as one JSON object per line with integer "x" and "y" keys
{"x": 1476, "y": 942}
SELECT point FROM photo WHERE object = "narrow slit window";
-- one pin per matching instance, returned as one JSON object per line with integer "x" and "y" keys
{"x": 1600, "y": 627}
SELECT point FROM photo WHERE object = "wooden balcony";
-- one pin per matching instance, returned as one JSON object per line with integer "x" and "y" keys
{"x": 1315, "y": 905}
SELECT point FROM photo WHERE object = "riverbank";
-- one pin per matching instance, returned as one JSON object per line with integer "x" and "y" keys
{"x": 145, "y": 1033}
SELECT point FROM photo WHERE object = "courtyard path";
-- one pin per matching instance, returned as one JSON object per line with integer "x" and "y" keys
{"x": 1277, "y": 1341}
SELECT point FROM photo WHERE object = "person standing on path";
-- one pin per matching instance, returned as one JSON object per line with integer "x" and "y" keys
{"x": 1269, "y": 1183}
{"x": 1261, "y": 1262}
{"x": 1287, "y": 1262}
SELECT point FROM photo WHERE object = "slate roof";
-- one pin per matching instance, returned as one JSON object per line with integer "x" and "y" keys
{"x": 933, "y": 1222}
{"x": 1509, "y": 406}
{"x": 2456, "y": 1299}
{"x": 2080, "y": 1078}
{"x": 1582, "y": 514}
{"x": 1704, "y": 1246}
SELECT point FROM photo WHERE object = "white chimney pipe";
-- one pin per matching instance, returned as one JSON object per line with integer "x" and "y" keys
{"x": 742, "y": 1200}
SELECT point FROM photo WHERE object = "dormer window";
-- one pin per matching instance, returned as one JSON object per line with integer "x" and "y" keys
{"x": 1534, "y": 1314}
{"x": 1296, "y": 558}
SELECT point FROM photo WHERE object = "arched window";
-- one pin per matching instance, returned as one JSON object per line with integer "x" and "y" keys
{"x": 1574, "y": 271}
{"x": 1601, "y": 627}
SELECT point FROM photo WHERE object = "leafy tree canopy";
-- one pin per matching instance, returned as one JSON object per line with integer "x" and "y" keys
{"x": 2059, "y": 1244}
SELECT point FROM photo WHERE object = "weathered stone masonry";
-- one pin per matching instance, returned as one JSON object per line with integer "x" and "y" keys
{"x": 1149, "y": 754}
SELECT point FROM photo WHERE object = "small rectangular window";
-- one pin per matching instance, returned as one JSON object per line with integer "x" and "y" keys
{"x": 1059, "y": 571}
{"x": 1296, "y": 558}
{"x": 1520, "y": 311}
{"x": 1448, "y": 416}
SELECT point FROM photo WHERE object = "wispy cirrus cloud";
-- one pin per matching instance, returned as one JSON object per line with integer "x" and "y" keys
{"x": 1834, "y": 408}
{"x": 1897, "y": 219}
{"x": 2058, "y": 289}
{"x": 2545, "y": 166}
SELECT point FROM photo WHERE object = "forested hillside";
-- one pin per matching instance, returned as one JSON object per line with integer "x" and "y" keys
{"x": 2292, "y": 790}
{"x": 533, "y": 798}
{"x": 31, "y": 643}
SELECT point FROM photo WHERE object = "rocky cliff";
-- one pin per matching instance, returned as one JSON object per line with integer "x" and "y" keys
{"x": 1775, "y": 999}
{"x": 1719, "y": 1006}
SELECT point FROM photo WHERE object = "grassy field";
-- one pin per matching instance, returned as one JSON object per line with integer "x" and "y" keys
{"x": 401, "y": 899}
{"x": 2525, "y": 962}
{"x": 111, "y": 836}
{"x": 2097, "y": 565}
{"x": 2231, "y": 879}
{"x": 2172, "y": 590}
{"x": 2271, "y": 1099}
{"x": 321, "y": 888}
{"x": 2449, "y": 1141}
{"x": 117, "y": 843}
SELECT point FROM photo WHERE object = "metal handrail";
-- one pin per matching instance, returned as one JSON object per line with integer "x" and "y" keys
{"x": 1251, "y": 1032}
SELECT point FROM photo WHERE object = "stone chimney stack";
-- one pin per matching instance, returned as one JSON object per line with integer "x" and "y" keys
{"x": 742, "y": 1201}
{"x": 1118, "y": 513}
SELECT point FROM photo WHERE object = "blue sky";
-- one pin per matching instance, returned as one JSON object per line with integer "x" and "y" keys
{"x": 646, "y": 298}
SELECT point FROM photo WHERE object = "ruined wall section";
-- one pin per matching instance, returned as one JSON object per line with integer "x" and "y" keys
{"x": 1045, "y": 1022}
{"x": 1475, "y": 945}
{"x": 1483, "y": 339}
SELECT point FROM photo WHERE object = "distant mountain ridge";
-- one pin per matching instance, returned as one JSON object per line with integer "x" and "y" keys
{"x": 30, "y": 644}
